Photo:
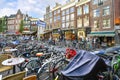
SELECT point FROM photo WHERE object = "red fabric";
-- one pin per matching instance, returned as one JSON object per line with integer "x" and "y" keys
{"x": 70, "y": 53}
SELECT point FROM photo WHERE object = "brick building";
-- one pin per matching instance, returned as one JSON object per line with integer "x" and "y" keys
{"x": 13, "y": 22}
{"x": 88, "y": 18}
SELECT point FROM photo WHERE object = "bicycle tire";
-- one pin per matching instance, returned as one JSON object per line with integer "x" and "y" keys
{"x": 32, "y": 66}
{"x": 60, "y": 65}
{"x": 45, "y": 72}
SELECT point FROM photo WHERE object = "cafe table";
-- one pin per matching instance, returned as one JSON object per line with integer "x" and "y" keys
{"x": 13, "y": 62}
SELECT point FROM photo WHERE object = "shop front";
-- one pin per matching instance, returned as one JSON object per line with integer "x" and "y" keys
{"x": 106, "y": 38}
{"x": 81, "y": 33}
{"x": 47, "y": 35}
{"x": 70, "y": 34}
{"x": 56, "y": 34}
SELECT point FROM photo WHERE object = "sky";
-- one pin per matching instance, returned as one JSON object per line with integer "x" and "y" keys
{"x": 34, "y": 8}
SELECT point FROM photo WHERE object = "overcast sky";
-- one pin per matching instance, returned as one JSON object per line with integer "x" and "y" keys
{"x": 34, "y": 8}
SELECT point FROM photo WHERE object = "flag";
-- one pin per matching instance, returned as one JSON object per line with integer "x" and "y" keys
{"x": 41, "y": 23}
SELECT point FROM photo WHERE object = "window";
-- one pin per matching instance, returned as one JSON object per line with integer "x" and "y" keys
{"x": 106, "y": 23}
{"x": 63, "y": 19}
{"x": 100, "y": 2}
{"x": 50, "y": 20}
{"x": 106, "y": 11}
{"x": 79, "y": 22}
{"x": 58, "y": 11}
{"x": 72, "y": 24}
{"x": 96, "y": 13}
{"x": 72, "y": 16}
{"x": 86, "y": 21}
{"x": 95, "y": 1}
{"x": 63, "y": 25}
{"x": 63, "y": 13}
{"x": 67, "y": 18}
{"x": 71, "y": 9}
{"x": 67, "y": 11}
{"x": 79, "y": 11}
{"x": 50, "y": 14}
{"x": 18, "y": 16}
{"x": 54, "y": 19}
{"x": 67, "y": 24}
{"x": 58, "y": 17}
{"x": 86, "y": 9}
{"x": 96, "y": 24}
{"x": 54, "y": 12}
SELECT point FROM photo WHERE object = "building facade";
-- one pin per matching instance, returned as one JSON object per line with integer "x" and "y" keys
{"x": 103, "y": 17}
{"x": 88, "y": 18}
{"x": 13, "y": 21}
{"x": 83, "y": 18}
{"x": 69, "y": 20}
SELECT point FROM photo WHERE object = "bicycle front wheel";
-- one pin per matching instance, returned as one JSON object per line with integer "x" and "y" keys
{"x": 60, "y": 65}
{"x": 45, "y": 72}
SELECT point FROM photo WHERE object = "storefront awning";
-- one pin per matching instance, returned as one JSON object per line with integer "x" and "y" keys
{"x": 108, "y": 34}
{"x": 29, "y": 32}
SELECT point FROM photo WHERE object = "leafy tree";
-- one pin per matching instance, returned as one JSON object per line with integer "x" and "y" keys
{"x": 21, "y": 26}
{"x": 2, "y": 24}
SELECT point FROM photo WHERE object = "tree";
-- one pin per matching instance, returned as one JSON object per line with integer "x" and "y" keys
{"x": 21, "y": 26}
{"x": 2, "y": 24}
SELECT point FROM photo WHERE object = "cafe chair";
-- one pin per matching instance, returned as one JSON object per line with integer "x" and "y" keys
{"x": 2, "y": 67}
{"x": 31, "y": 77}
{"x": 16, "y": 76}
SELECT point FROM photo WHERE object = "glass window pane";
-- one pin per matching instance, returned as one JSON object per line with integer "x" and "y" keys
{"x": 86, "y": 21}
{"x": 86, "y": 9}
{"x": 67, "y": 18}
{"x": 63, "y": 19}
{"x": 106, "y": 11}
{"x": 67, "y": 24}
{"x": 63, "y": 13}
{"x": 106, "y": 23}
{"x": 72, "y": 16}
{"x": 63, "y": 25}
{"x": 79, "y": 22}
{"x": 96, "y": 24}
{"x": 96, "y": 13}
{"x": 71, "y": 9}
{"x": 95, "y": 1}
{"x": 79, "y": 11}
{"x": 67, "y": 11}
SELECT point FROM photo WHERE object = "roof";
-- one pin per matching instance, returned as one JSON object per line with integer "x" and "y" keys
{"x": 19, "y": 12}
